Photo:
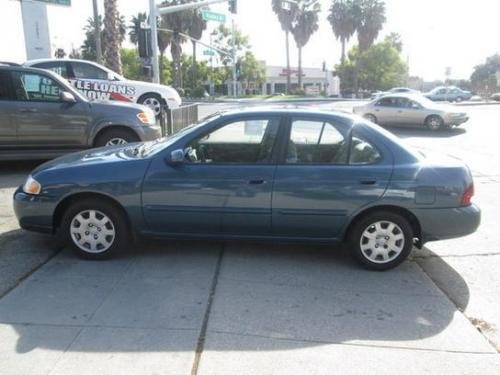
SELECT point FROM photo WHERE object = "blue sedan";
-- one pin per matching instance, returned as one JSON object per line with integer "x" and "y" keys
{"x": 266, "y": 174}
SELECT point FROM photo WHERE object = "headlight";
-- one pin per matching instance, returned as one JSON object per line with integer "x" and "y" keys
{"x": 32, "y": 186}
{"x": 147, "y": 117}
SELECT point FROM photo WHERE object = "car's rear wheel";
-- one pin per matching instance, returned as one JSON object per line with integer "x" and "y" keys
{"x": 153, "y": 101}
{"x": 370, "y": 117}
{"x": 115, "y": 137}
{"x": 458, "y": 99}
{"x": 434, "y": 123}
{"x": 381, "y": 240}
{"x": 94, "y": 228}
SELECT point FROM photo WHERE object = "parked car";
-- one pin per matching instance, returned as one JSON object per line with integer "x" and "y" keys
{"x": 97, "y": 82}
{"x": 496, "y": 97}
{"x": 267, "y": 174}
{"x": 449, "y": 94}
{"x": 395, "y": 90}
{"x": 411, "y": 110}
{"x": 42, "y": 116}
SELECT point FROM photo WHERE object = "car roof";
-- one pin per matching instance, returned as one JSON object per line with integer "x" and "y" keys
{"x": 291, "y": 110}
{"x": 37, "y": 61}
{"x": 407, "y": 95}
{"x": 26, "y": 69}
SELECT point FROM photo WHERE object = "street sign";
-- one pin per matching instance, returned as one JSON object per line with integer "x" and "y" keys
{"x": 208, "y": 52}
{"x": 57, "y": 2}
{"x": 213, "y": 16}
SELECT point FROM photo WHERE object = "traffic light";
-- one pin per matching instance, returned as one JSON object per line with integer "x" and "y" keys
{"x": 233, "y": 6}
{"x": 144, "y": 42}
{"x": 238, "y": 70}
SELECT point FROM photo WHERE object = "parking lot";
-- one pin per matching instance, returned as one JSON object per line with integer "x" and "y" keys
{"x": 229, "y": 307}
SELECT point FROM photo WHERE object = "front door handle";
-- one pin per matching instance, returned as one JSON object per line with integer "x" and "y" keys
{"x": 256, "y": 182}
{"x": 368, "y": 181}
{"x": 28, "y": 110}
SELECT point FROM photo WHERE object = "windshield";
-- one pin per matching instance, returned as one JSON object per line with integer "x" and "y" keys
{"x": 153, "y": 147}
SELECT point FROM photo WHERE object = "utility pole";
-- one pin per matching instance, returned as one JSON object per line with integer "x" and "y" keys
{"x": 154, "y": 41}
{"x": 233, "y": 53}
{"x": 97, "y": 34}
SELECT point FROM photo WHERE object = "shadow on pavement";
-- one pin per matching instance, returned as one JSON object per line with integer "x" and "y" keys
{"x": 156, "y": 299}
{"x": 424, "y": 133}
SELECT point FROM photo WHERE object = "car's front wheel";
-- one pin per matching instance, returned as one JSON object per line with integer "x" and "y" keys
{"x": 153, "y": 101}
{"x": 434, "y": 123}
{"x": 381, "y": 240}
{"x": 115, "y": 137}
{"x": 94, "y": 228}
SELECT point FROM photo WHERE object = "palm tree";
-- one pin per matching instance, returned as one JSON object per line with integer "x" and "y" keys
{"x": 342, "y": 20}
{"x": 285, "y": 17}
{"x": 180, "y": 22}
{"x": 136, "y": 21}
{"x": 112, "y": 36}
{"x": 198, "y": 25}
{"x": 305, "y": 24}
{"x": 369, "y": 18}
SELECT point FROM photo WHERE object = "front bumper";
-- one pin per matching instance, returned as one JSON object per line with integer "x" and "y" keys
{"x": 445, "y": 223}
{"x": 34, "y": 213}
{"x": 457, "y": 120}
{"x": 149, "y": 133}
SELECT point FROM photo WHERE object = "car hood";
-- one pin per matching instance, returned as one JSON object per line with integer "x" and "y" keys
{"x": 120, "y": 106}
{"x": 96, "y": 156}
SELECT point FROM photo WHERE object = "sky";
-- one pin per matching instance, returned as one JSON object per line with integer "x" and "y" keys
{"x": 436, "y": 33}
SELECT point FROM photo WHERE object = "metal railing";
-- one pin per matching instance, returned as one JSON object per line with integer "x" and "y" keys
{"x": 173, "y": 120}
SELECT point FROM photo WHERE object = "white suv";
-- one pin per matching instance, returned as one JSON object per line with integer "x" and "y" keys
{"x": 97, "y": 82}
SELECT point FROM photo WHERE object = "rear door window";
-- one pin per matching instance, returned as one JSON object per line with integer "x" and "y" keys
{"x": 35, "y": 87}
{"x": 88, "y": 71}
{"x": 5, "y": 86}
{"x": 59, "y": 67}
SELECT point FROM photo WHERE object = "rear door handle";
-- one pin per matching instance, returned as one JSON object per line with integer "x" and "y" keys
{"x": 368, "y": 181}
{"x": 256, "y": 182}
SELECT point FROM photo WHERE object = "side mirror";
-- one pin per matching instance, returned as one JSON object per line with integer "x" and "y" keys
{"x": 67, "y": 97}
{"x": 111, "y": 77}
{"x": 176, "y": 157}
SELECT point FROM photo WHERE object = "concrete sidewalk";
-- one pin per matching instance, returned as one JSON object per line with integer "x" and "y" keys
{"x": 235, "y": 308}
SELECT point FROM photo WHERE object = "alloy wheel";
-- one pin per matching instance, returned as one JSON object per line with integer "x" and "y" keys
{"x": 154, "y": 104}
{"x": 92, "y": 231}
{"x": 116, "y": 141}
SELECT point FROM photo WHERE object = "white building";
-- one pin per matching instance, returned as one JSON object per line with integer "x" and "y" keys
{"x": 314, "y": 80}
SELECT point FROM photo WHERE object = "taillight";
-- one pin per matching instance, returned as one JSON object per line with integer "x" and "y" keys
{"x": 467, "y": 195}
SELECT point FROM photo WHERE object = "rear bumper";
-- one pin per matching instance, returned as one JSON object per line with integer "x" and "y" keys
{"x": 445, "y": 223}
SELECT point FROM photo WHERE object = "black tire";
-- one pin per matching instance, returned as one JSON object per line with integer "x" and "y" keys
{"x": 458, "y": 99}
{"x": 119, "y": 241}
{"x": 370, "y": 117}
{"x": 356, "y": 238}
{"x": 434, "y": 123}
{"x": 153, "y": 101}
{"x": 115, "y": 137}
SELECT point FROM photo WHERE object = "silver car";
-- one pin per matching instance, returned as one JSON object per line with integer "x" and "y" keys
{"x": 411, "y": 110}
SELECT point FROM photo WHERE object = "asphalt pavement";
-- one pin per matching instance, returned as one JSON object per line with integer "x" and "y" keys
{"x": 210, "y": 307}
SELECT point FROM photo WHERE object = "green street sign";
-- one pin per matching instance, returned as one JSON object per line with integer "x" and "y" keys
{"x": 208, "y": 52}
{"x": 212, "y": 16}
{"x": 57, "y": 2}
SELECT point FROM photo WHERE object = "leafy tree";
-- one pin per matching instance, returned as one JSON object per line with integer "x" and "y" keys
{"x": 252, "y": 71}
{"x": 112, "y": 36}
{"x": 88, "y": 48}
{"x": 223, "y": 39}
{"x": 285, "y": 17}
{"x": 483, "y": 78}
{"x": 381, "y": 67}
{"x": 60, "y": 53}
{"x": 305, "y": 24}
{"x": 342, "y": 20}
